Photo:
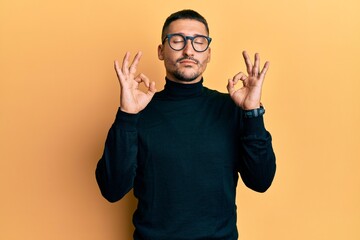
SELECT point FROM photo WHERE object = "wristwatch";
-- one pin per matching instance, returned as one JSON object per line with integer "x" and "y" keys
{"x": 254, "y": 112}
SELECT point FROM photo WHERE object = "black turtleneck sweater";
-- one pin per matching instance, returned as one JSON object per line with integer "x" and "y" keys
{"x": 182, "y": 155}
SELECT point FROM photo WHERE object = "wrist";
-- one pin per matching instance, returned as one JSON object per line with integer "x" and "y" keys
{"x": 126, "y": 120}
{"x": 129, "y": 110}
{"x": 253, "y": 113}
{"x": 252, "y": 106}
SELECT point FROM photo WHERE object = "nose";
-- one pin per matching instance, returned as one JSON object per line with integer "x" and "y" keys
{"x": 188, "y": 49}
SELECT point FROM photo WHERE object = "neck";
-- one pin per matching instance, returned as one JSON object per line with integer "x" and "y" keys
{"x": 179, "y": 90}
{"x": 173, "y": 79}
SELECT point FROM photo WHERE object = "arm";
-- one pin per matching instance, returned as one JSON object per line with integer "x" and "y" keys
{"x": 257, "y": 166}
{"x": 116, "y": 169}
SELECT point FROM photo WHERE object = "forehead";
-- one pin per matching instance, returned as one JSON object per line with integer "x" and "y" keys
{"x": 187, "y": 27}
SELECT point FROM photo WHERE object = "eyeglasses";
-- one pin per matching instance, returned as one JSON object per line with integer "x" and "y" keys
{"x": 178, "y": 42}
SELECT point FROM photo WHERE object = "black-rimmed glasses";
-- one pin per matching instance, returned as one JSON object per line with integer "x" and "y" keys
{"x": 178, "y": 42}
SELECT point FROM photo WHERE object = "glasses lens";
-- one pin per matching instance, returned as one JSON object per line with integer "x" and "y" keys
{"x": 177, "y": 42}
{"x": 200, "y": 43}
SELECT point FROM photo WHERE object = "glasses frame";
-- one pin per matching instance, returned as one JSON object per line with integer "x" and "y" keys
{"x": 168, "y": 36}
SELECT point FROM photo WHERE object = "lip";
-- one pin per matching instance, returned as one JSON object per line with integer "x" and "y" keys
{"x": 187, "y": 62}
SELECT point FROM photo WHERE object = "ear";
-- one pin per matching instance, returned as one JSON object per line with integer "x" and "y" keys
{"x": 209, "y": 55}
{"x": 161, "y": 52}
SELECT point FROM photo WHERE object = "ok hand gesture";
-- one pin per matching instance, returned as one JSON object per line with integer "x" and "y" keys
{"x": 249, "y": 95}
{"x": 133, "y": 100}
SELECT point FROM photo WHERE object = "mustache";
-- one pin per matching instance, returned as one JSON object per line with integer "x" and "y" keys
{"x": 187, "y": 58}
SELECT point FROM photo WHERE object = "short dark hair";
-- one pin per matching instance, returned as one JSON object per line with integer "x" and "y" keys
{"x": 184, "y": 14}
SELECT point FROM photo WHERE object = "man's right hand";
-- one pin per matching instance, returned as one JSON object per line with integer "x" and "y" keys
{"x": 132, "y": 99}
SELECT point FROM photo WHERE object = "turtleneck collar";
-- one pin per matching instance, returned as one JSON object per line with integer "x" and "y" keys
{"x": 178, "y": 90}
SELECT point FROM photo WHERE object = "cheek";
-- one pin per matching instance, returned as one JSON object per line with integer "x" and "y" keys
{"x": 171, "y": 55}
{"x": 169, "y": 62}
{"x": 205, "y": 62}
{"x": 170, "y": 59}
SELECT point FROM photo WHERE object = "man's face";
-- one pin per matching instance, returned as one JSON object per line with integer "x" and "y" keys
{"x": 186, "y": 65}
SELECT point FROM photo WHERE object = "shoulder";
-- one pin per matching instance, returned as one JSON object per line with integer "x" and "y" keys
{"x": 222, "y": 100}
{"x": 159, "y": 95}
{"x": 211, "y": 93}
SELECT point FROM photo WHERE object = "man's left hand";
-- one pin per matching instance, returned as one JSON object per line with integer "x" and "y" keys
{"x": 249, "y": 95}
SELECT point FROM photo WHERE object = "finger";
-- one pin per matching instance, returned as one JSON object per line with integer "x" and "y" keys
{"x": 135, "y": 62}
{"x": 230, "y": 86}
{"x": 247, "y": 62}
{"x": 151, "y": 89}
{"x": 232, "y": 82}
{"x": 143, "y": 79}
{"x": 256, "y": 70}
{"x": 265, "y": 69}
{"x": 125, "y": 64}
{"x": 240, "y": 76}
{"x": 138, "y": 79}
{"x": 118, "y": 70}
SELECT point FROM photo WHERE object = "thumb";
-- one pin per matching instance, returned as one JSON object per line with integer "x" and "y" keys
{"x": 230, "y": 86}
{"x": 151, "y": 89}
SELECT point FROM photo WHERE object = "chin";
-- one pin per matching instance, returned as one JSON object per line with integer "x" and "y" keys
{"x": 186, "y": 75}
{"x": 186, "y": 78}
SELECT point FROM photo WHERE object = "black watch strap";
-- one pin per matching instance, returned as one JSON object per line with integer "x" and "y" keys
{"x": 254, "y": 112}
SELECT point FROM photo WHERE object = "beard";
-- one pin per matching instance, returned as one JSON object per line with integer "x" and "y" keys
{"x": 182, "y": 76}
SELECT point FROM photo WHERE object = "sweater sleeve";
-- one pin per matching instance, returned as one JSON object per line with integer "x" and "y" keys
{"x": 257, "y": 166}
{"x": 115, "y": 171}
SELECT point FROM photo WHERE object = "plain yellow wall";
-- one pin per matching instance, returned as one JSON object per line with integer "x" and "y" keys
{"x": 59, "y": 96}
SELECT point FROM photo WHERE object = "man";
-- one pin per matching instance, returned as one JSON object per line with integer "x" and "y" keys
{"x": 181, "y": 149}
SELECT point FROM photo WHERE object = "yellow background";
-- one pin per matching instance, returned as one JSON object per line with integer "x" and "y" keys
{"x": 59, "y": 95}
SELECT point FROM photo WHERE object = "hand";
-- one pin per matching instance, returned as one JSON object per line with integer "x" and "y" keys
{"x": 249, "y": 95}
{"x": 133, "y": 100}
